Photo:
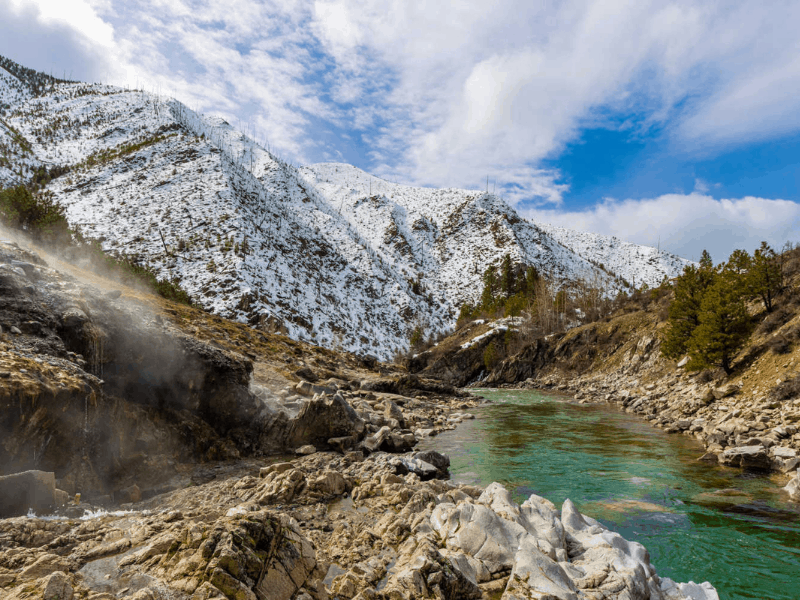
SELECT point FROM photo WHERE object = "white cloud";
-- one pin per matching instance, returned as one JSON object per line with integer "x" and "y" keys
{"x": 80, "y": 15}
{"x": 685, "y": 224}
{"x": 484, "y": 88}
{"x": 447, "y": 93}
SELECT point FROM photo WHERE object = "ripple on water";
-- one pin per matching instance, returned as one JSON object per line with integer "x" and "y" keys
{"x": 699, "y": 522}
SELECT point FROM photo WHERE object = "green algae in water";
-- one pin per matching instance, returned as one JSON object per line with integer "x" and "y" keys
{"x": 699, "y": 522}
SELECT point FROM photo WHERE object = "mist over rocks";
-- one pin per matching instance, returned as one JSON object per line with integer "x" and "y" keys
{"x": 119, "y": 401}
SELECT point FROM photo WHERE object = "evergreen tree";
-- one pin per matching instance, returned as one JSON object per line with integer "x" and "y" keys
{"x": 531, "y": 279}
{"x": 705, "y": 261}
{"x": 489, "y": 289}
{"x": 507, "y": 277}
{"x": 739, "y": 264}
{"x": 684, "y": 312}
{"x": 765, "y": 277}
{"x": 38, "y": 214}
{"x": 724, "y": 324}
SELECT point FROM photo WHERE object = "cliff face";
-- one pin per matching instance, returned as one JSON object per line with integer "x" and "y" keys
{"x": 104, "y": 392}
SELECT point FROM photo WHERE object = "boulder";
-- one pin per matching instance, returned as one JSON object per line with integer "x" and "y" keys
{"x": 307, "y": 374}
{"x": 343, "y": 443}
{"x": 608, "y": 561}
{"x": 422, "y": 571}
{"x": 30, "y": 490}
{"x": 281, "y": 467}
{"x": 330, "y": 483}
{"x": 386, "y": 386}
{"x": 793, "y": 488}
{"x": 424, "y": 470}
{"x": 58, "y": 587}
{"x": 784, "y": 452}
{"x": 440, "y": 461}
{"x": 45, "y": 565}
{"x": 392, "y": 411}
{"x": 747, "y": 457}
{"x": 537, "y": 576}
{"x": 373, "y": 442}
{"x": 323, "y": 418}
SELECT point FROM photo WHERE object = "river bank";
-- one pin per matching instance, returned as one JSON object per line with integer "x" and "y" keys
{"x": 191, "y": 457}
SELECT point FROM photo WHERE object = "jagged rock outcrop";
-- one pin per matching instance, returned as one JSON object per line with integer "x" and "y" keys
{"x": 522, "y": 366}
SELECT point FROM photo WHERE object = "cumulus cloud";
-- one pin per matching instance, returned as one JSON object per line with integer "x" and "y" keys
{"x": 52, "y": 41}
{"x": 491, "y": 89}
{"x": 443, "y": 93}
{"x": 686, "y": 224}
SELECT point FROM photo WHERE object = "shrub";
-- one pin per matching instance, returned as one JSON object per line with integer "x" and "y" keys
{"x": 490, "y": 356}
{"x": 780, "y": 344}
{"x": 417, "y": 337}
{"x": 786, "y": 390}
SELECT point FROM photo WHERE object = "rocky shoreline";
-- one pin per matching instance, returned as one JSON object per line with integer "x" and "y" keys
{"x": 330, "y": 525}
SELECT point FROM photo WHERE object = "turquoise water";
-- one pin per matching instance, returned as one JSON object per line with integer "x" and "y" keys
{"x": 699, "y": 522}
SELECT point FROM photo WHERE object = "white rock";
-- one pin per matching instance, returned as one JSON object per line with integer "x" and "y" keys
{"x": 784, "y": 452}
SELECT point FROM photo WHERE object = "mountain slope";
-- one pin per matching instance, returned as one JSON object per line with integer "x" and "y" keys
{"x": 327, "y": 253}
{"x": 634, "y": 263}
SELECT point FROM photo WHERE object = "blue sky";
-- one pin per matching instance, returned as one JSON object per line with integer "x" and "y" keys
{"x": 671, "y": 122}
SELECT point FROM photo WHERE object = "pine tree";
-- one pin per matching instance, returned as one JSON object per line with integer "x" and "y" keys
{"x": 531, "y": 279}
{"x": 765, "y": 277}
{"x": 724, "y": 324}
{"x": 684, "y": 312}
{"x": 489, "y": 289}
{"x": 507, "y": 277}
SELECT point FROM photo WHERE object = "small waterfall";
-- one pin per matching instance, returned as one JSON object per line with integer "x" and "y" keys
{"x": 96, "y": 351}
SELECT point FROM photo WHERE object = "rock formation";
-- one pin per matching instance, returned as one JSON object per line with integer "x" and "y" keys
{"x": 330, "y": 526}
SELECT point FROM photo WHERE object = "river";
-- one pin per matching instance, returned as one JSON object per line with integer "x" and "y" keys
{"x": 698, "y": 521}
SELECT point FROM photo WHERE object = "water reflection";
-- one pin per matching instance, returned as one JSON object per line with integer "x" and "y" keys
{"x": 698, "y": 521}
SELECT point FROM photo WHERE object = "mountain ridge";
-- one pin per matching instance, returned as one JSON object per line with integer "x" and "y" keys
{"x": 325, "y": 253}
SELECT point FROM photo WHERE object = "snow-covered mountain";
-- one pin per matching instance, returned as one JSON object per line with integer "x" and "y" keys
{"x": 327, "y": 253}
{"x": 634, "y": 263}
